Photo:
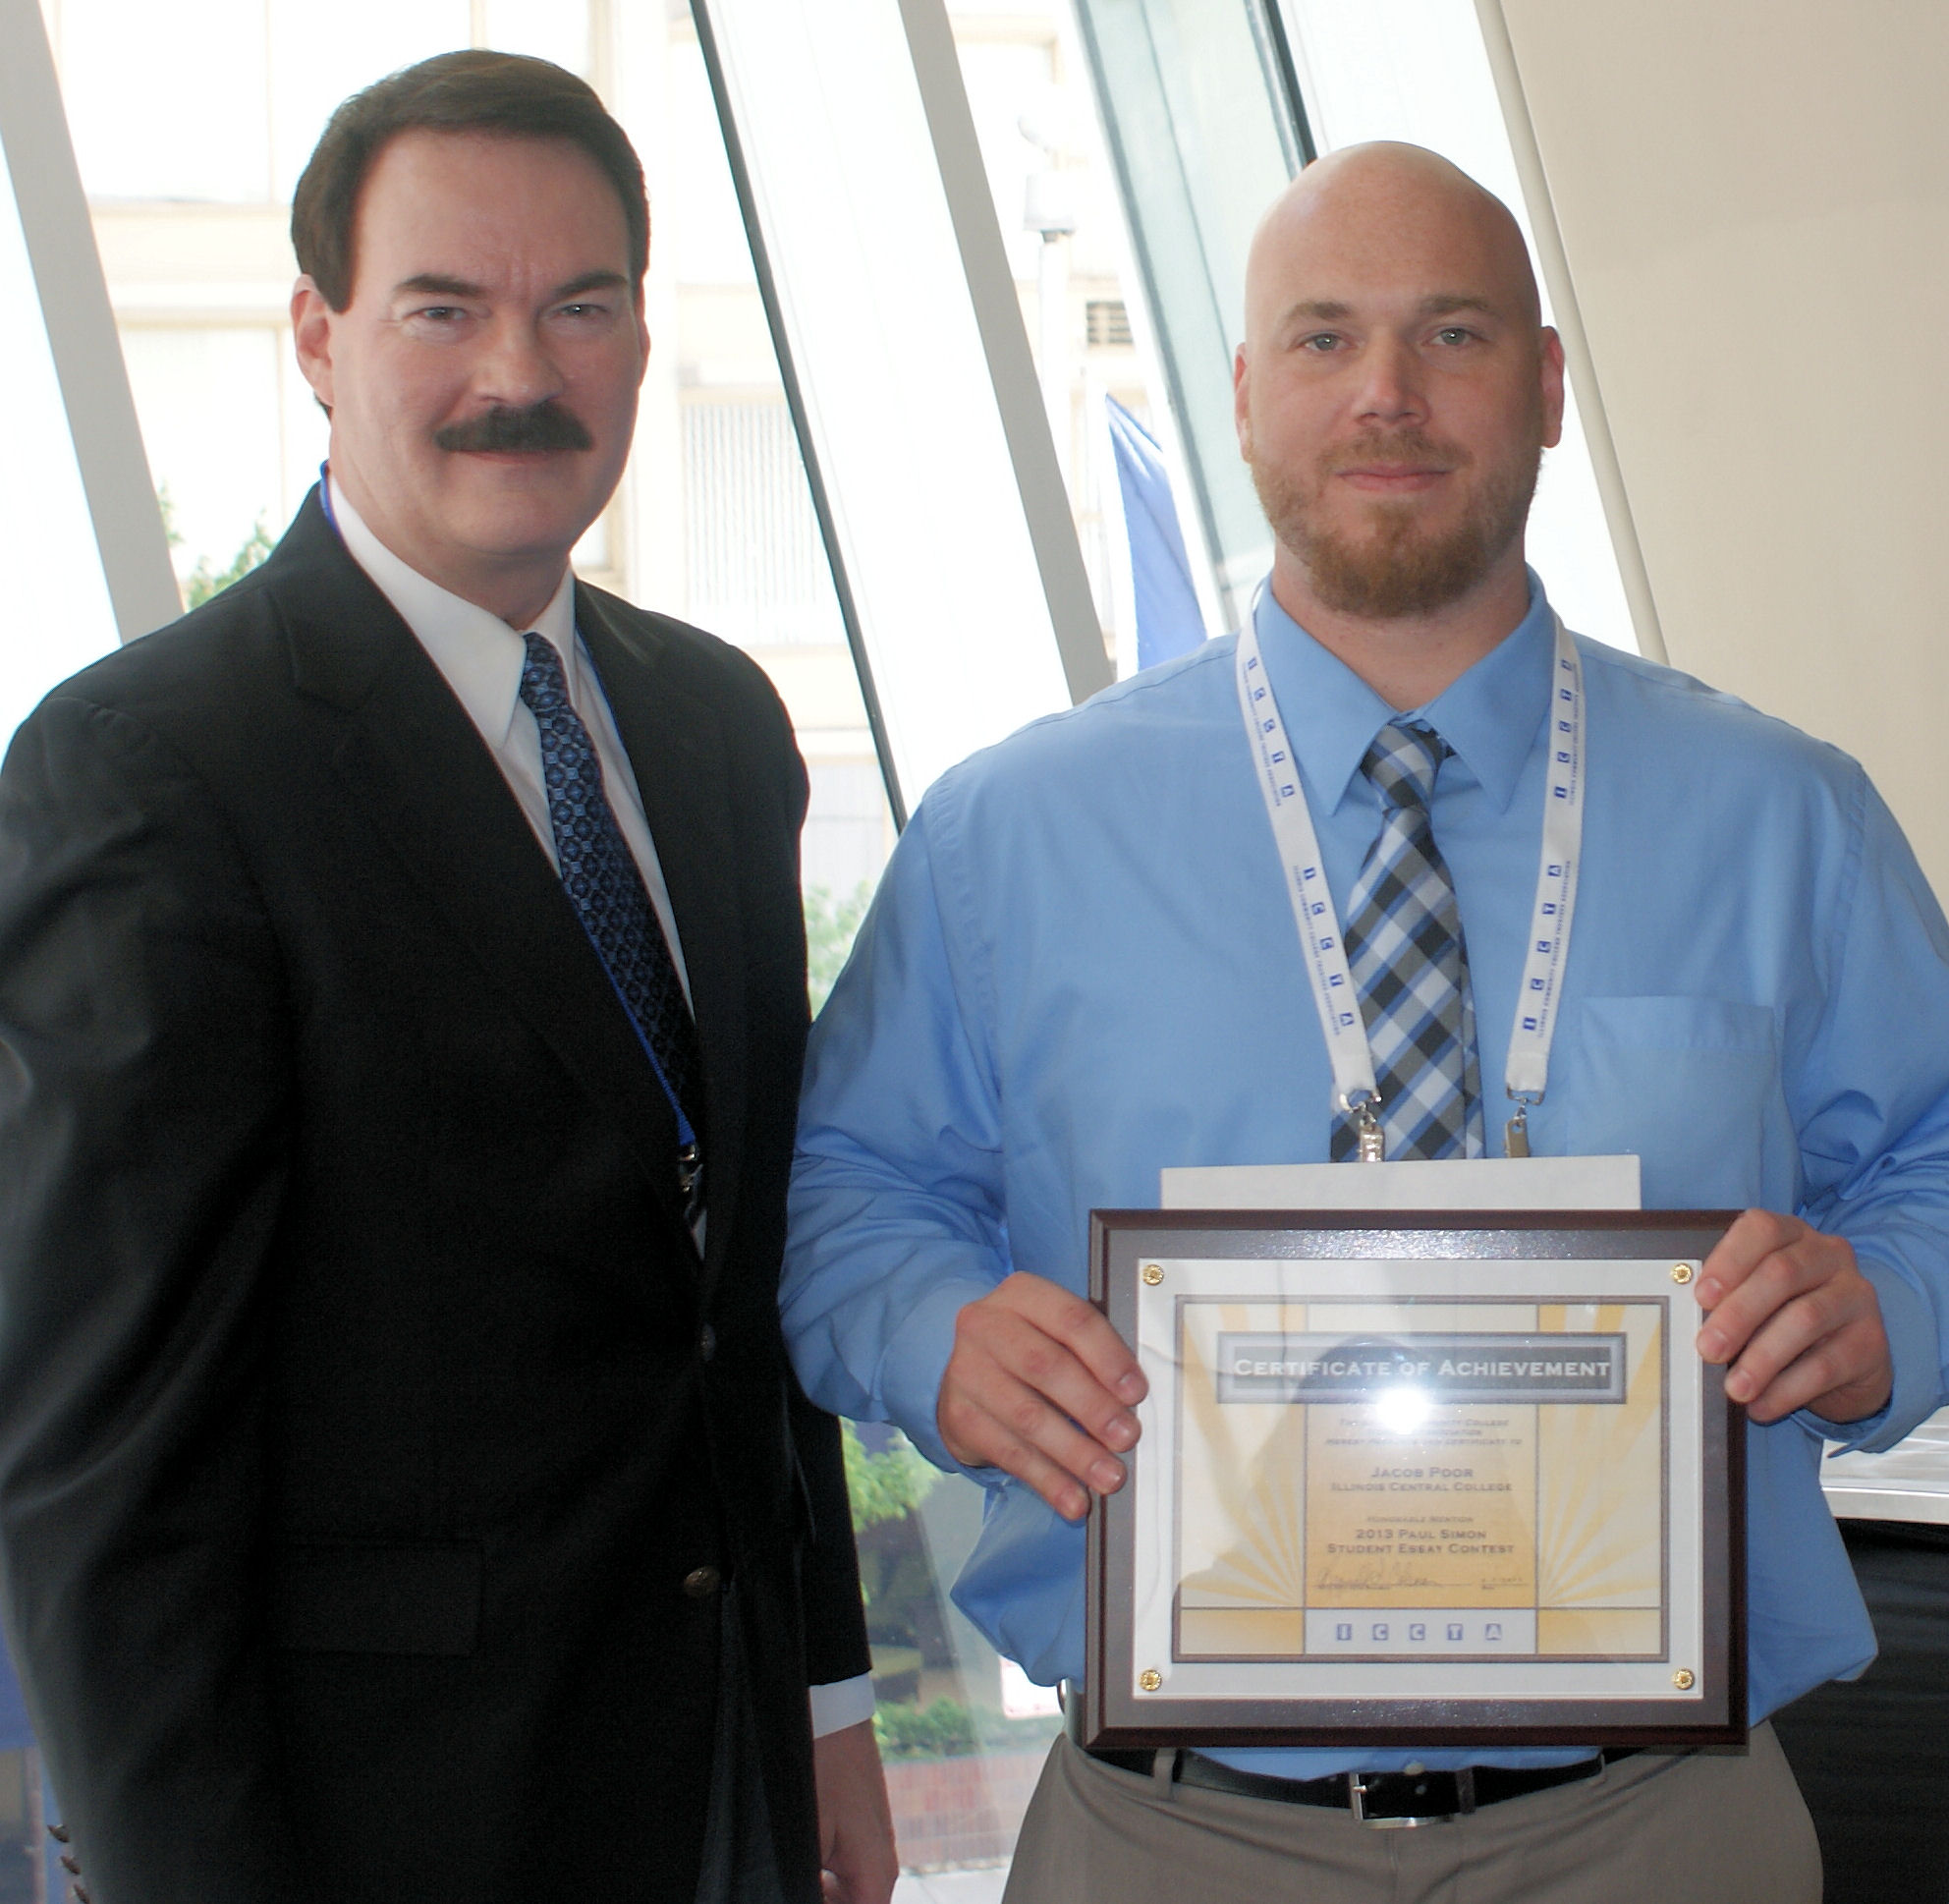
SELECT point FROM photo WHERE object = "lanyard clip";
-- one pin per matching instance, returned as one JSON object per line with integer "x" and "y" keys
{"x": 1516, "y": 1133}
{"x": 1371, "y": 1144}
{"x": 690, "y": 1178}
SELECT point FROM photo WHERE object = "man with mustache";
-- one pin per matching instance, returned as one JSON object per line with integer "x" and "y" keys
{"x": 514, "y": 433}
{"x": 1085, "y": 966}
{"x": 403, "y": 1489}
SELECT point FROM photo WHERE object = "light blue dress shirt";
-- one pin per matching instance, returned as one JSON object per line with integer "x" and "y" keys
{"x": 1082, "y": 967}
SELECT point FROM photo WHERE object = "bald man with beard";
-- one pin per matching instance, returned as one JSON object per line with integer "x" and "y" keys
{"x": 1082, "y": 967}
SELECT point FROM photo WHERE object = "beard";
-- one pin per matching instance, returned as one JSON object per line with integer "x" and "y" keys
{"x": 1396, "y": 569}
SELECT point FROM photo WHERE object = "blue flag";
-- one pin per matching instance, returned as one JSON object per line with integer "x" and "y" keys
{"x": 1168, "y": 621}
{"x": 15, "y": 1731}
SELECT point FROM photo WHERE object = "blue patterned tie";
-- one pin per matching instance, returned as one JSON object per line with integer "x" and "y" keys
{"x": 606, "y": 890}
{"x": 1405, "y": 953}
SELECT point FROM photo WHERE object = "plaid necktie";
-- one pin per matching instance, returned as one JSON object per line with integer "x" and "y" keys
{"x": 1405, "y": 951}
{"x": 606, "y": 888}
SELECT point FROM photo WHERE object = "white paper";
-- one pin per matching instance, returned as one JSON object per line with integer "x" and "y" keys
{"x": 1451, "y": 1183}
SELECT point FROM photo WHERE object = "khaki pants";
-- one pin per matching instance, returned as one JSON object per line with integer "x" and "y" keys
{"x": 1704, "y": 1827}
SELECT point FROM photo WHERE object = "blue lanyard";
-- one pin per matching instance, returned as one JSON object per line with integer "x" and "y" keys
{"x": 687, "y": 1137}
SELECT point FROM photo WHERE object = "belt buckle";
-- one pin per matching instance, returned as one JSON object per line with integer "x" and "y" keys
{"x": 1357, "y": 1800}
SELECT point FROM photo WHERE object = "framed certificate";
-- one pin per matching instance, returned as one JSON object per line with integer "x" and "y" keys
{"x": 1417, "y": 1480}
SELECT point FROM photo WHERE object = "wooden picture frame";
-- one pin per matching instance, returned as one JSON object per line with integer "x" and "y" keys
{"x": 1417, "y": 1479}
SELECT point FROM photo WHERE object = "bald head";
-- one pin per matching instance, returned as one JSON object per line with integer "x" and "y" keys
{"x": 1396, "y": 388}
{"x": 1377, "y": 209}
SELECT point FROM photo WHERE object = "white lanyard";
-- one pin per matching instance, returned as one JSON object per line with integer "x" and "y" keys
{"x": 1527, "y": 1071}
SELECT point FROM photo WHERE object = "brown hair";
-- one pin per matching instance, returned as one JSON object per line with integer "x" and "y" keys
{"x": 504, "y": 94}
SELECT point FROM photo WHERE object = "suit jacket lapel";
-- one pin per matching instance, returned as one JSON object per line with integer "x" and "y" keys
{"x": 677, "y": 748}
{"x": 413, "y": 759}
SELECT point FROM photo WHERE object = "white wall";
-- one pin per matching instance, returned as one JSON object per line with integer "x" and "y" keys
{"x": 1753, "y": 202}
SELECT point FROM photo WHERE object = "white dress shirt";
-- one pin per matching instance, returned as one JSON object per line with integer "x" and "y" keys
{"x": 480, "y": 657}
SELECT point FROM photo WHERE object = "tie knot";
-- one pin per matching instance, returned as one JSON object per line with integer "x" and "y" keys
{"x": 1401, "y": 763}
{"x": 543, "y": 684}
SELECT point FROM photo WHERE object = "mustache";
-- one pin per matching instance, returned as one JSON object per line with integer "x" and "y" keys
{"x": 1410, "y": 445}
{"x": 546, "y": 425}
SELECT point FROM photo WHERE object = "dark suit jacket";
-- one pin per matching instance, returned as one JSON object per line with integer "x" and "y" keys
{"x": 364, "y": 1405}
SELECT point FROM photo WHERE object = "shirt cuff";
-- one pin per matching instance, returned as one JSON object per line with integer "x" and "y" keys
{"x": 841, "y": 1703}
{"x": 912, "y": 1366}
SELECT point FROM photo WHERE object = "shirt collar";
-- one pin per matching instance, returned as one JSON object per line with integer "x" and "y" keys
{"x": 1487, "y": 715}
{"x": 479, "y": 653}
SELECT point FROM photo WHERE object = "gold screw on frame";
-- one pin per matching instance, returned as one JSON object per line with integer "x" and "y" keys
{"x": 1153, "y": 1274}
{"x": 1684, "y": 1679}
{"x": 1150, "y": 1679}
{"x": 1681, "y": 1273}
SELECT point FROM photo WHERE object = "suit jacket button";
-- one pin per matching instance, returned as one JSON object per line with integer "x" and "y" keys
{"x": 701, "y": 1582}
{"x": 707, "y": 1342}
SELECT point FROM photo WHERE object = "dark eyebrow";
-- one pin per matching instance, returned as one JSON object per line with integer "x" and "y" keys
{"x": 432, "y": 284}
{"x": 591, "y": 281}
{"x": 1326, "y": 309}
{"x": 435, "y": 284}
{"x": 1437, "y": 303}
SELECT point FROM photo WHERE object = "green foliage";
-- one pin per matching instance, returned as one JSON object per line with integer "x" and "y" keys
{"x": 203, "y": 581}
{"x": 883, "y": 1486}
{"x": 895, "y": 1580}
{"x": 830, "y": 925}
{"x": 944, "y": 1729}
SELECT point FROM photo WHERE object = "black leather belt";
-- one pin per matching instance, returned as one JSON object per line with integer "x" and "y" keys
{"x": 1379, "y": 1798}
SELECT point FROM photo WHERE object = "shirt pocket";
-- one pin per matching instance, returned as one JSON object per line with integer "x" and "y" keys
{"x": 1692, "y": 1088}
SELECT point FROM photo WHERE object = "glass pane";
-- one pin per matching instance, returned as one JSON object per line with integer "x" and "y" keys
{"x": 907, "y": 389}
{"x": 1055, "y": 197}
{"x": 59, "y": 615}
{"x": 208, "y": 403}
{"x": 700, "y": 230}
{"x": 322, "y": 55}
{"x": 163, "y": 107}
{"x": 756, "y": 568}
{"x": 719, "y": 508}
{"x": 845, "y": 828}
{"x": 549, "y": 29}
{"x": 1016, "y": 101}
{"x": 1203, "y": 132}
{"x": 962, "y": 1734}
